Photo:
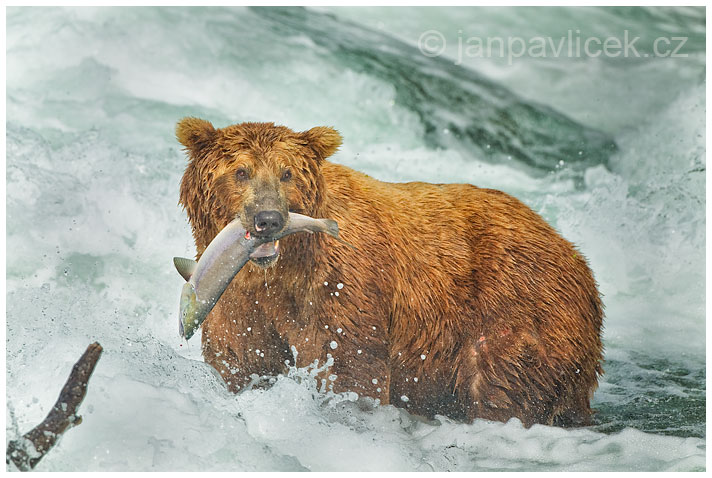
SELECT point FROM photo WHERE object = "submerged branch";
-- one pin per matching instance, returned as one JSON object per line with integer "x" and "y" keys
{"x": 27, "y": 451}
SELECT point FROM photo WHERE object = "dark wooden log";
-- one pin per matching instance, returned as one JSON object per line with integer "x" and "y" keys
{"x": 27, "y": 451}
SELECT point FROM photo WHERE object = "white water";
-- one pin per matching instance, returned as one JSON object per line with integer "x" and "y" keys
{"x": 93, "y": 222}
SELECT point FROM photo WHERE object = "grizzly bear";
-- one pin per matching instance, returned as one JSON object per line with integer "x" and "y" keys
{"x": 454, "y": 300}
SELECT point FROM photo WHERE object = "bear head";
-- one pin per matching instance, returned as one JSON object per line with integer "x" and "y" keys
{"x": 257, "y": 172}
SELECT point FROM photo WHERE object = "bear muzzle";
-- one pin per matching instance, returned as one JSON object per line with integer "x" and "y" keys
{"x": 268, "y": 222}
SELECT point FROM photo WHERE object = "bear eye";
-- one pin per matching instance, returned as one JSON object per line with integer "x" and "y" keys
{"x": 287, "y": 175}
{"x": 242, "y": 174}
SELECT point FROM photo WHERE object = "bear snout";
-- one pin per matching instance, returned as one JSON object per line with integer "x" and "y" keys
{"x": 268, "y": 222}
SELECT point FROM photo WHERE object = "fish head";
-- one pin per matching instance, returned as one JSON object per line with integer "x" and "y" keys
{"x": 257, "y": 172}
{"x": 189, "y": 316}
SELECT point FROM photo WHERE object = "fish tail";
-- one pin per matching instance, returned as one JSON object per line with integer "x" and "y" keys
{"x": 332, "y": 229}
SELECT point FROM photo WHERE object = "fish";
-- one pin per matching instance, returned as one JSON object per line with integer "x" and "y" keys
{"x": 207, "y": 278}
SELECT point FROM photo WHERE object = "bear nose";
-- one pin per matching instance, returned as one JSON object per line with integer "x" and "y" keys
{"x": 268, "y": 222}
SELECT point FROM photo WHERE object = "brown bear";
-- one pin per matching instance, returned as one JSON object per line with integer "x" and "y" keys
{"x": 454, "y": 300}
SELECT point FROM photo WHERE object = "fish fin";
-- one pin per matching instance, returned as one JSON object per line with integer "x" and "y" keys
{"x": 332, "y": 229}
{"x": 185, "y": 267}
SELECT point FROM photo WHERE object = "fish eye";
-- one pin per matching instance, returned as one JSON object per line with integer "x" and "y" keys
{"x": 242, "y": 174}
{"x": 286, "y": 175}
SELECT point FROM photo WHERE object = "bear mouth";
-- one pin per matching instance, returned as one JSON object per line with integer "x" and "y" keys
{"x": 266, "y": 254}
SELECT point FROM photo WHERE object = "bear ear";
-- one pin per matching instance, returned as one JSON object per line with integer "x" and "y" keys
{"x": 195, "y": 134}
{"x": 323, "y": 140}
